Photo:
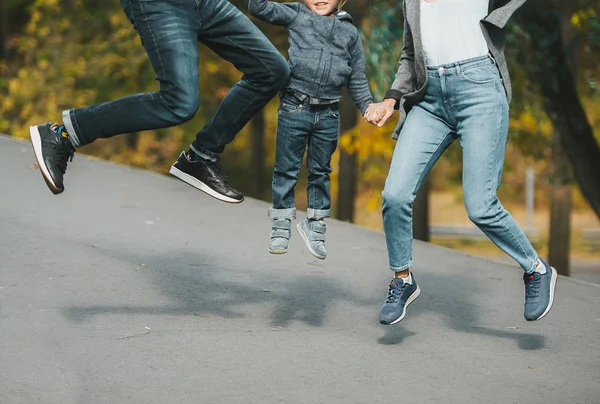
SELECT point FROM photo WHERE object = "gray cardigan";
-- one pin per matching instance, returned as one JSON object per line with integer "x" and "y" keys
{"x": 411, "y": 79}
{"x": 325, "y": 52}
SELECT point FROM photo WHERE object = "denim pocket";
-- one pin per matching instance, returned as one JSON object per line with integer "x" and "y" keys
{"x": 334, "y": 112}
{"x": 289, "y": 106}
{"x": 479, "y": 75}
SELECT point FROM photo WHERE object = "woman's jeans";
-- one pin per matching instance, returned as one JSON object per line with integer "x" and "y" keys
{"x": 466, "y": 101}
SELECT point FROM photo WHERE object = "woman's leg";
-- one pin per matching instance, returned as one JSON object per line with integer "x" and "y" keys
{"x": 482, "y": 125}
{"x": 422, "y": 141}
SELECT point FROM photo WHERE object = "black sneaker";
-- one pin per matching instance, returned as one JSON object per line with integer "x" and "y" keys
{"x": 207, "y": 176}
{"x": 400, "y": 295}
{"x": 52, "y": 150}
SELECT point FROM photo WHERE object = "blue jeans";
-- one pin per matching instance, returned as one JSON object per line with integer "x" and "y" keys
{"x": 301, "y": 125}
{"x": 170, "y": 31}
{"x": 466, "y": 101}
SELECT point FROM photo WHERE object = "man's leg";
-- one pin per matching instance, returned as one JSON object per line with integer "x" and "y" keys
{"x": 483, "y": 131}
{"x": 230, "y": 34}
{"x": 168, "y": 31}
{"x": 422, "y": 141}
{"x": 169, "y": 34}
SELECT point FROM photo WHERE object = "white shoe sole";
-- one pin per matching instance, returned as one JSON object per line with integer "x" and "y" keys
{"x": 36, "y": 141}
{"x": 201, "y": 186}
{"x": 553, "y": 280}
{"x": 278, "y": 251}
{"x": 305, "y": 238}
{"x": 411, "y": 299}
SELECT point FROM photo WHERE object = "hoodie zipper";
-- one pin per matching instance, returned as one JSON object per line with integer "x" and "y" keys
{"x": 330, "y": 57}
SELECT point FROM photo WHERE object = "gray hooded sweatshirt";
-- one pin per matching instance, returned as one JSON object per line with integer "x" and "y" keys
{"x": 325, "y": 52}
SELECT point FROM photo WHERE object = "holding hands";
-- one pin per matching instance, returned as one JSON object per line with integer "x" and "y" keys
{"x": 379, "y": 113}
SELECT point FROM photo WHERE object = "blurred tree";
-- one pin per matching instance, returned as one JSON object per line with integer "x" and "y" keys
{"x": 548, "y": 66}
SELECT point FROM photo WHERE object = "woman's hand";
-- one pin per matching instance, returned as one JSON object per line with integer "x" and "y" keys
{"x": 379, "y": 113}
{"x": 374, "y": 113}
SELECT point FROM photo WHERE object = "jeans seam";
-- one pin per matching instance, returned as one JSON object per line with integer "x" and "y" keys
{"x": 313, "y": 160}
{"x": 414, "y": 192}
{"x": 415, "y": 188}
{"x": 162, "y": 66}
{"x": 257, "y": 94}
{"x": 489, "y": 182}
{"x": 198, "y": 12}
{"x": 422, "y": 177}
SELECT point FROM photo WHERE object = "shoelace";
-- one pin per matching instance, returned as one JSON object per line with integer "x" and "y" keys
{"x": 395, "y": 292}
{"x": 64, "y": 154}
{"x": 217, "y": 172}
{"x": 532, "y": 286}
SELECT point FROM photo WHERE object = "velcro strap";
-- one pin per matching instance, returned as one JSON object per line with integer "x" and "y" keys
{"x": 280, "y": 233}
{"x": 317, "y": 236}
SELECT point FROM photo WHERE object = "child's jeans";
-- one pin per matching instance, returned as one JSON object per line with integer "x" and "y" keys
{"x": 301, "y": 124}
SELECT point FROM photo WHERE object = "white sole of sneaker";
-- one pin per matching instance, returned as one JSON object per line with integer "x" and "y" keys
{"x": 194, "y": 182}
{"x": 36, "y": 141}
{"x": 553, "y": 280}
{"x": 305, "y": 238}
{"x": 411, "y": 299}
{"x": 278, "y": 251}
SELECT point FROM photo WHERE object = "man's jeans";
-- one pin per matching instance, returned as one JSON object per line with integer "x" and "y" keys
{"x": 301, "y": 124}
{"x": 464, "y": 100}
{"x": 170, "y": 31}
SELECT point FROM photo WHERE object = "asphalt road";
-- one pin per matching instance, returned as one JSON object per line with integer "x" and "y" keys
{"x": 132, "y": 287}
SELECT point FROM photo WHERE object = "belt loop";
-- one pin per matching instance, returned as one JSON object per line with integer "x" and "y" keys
{"x": 493, "y": 60}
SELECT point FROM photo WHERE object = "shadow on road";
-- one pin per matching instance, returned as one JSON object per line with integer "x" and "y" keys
{"x": 213, "y": 287}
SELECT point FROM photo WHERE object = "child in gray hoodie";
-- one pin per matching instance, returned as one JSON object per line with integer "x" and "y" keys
{"x": 325, "y": 54}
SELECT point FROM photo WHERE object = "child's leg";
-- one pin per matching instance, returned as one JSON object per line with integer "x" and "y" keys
{"x": 292, "y": 132}
{"x": 321, "y": 145}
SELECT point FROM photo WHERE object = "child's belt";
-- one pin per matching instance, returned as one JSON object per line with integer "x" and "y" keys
{"x": 305, "y": 98}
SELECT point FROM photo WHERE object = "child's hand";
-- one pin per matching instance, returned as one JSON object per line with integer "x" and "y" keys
{"x": 379, "y": 113}
{"x": 374, "y": 113}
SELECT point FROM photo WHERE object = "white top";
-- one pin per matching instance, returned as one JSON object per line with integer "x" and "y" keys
{"x": 450, "y": 30}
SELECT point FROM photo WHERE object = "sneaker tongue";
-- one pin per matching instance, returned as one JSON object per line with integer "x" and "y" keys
{"x": 61, "y": 130}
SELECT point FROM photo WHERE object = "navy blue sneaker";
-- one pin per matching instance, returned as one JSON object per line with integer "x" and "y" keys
{"x": 400, "y": 295}
{"x": 539, "y": 292}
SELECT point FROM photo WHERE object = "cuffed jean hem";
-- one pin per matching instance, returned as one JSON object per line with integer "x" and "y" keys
{"x": 402, "y": 268}
{"x": 318, "y": 214}
{"x": 533, "y": 266}
{"x": 277, "y": 214}
{"x": 73, "y": 135}
{"x": 204, "y": 154}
